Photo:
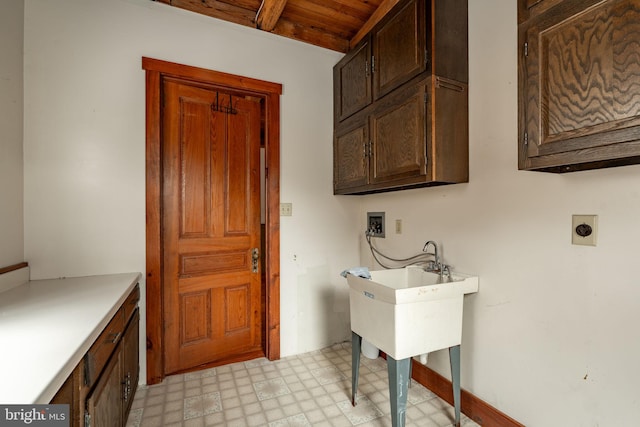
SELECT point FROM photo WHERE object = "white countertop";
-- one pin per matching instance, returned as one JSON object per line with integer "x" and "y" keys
{"x": 46, "y": 327}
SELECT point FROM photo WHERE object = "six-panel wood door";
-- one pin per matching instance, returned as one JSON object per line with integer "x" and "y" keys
{"x": 211, "y": 225}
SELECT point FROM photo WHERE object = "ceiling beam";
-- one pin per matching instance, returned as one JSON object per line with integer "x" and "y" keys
{"x": 269, "y": 14}
{"x": 216, "y": 9}
{"x": 382, "y": 10}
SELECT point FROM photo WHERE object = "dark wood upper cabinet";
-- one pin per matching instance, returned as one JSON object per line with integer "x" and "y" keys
{"x": 352, "y": 81}
{"x": 393, "y": 53}
{"x": 399, "y": 47}
{"x": 579, "y": 84}
{"x": 398, "y": 128}
{"x": 401, "y": 101}
{"x": 350, "y": 157}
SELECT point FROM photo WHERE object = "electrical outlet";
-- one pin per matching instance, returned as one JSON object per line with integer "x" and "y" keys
{"x": 584, "y": 229}
{"x": 375, "y": 224}
{"x": 398, "y": 226}
{"x": 286, "y": 209}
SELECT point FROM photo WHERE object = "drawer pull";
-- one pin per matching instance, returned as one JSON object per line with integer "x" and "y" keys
{"x": 113, "y": 337}
{"x": 449, "y": 84}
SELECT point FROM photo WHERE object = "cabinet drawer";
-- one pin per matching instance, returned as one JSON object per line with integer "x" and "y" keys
{"x": 131, "y": 303}
{"x": 97, "y": 356}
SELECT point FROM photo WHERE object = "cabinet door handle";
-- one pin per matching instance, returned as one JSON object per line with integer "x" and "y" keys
{"x": 113, "y": 337}
{"x": 446, "y": 84}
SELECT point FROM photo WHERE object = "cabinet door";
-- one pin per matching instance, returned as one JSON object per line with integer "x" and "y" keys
{"x": 352, "y": 81}
{"x": 72, "y": 393}
{"x": 104, "y": 404}
{"x": 398, "y": 136}
{"x": 448, "y": 133}
{"x": 130, "y": 364}
{"x": 399, "y": 47}
{"x": 351, "y": 158}
{"x": 579, "y": 78}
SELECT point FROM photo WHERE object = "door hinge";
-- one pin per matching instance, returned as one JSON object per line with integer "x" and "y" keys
{"x": 426, "y": 97}
{"x": 526, "y": 138}
{"x": 255, "y": 257}
{"x": 426, "y": 58}
{"x": 373, "y": 64}
{"x": 526, "y": 49}
{"x": 370, "y": 148}
{"x": 126, "y": 387}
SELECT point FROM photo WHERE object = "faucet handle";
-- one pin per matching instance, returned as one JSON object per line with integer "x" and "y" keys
{"x": 445, "y": 269}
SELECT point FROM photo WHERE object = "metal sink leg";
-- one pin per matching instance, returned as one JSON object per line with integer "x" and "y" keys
{"x": 454, "y": 358}
{"x": 355, "y": 364}
{"x": 398, "y": 389}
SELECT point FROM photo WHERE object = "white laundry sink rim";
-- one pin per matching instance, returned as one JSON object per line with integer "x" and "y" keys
{"x": 412, "y": 284}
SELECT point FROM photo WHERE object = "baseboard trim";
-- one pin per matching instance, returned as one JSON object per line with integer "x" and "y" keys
{"x": 473, "y": 407}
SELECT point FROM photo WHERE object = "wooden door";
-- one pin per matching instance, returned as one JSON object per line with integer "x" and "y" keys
{"x": 399, "y": 47}
{"x": 398, "y": 137}
{"x": 104, "y": 404}
{"x": 351, "y": 158}
{"x": 352, "y": 81}
{"x": 211, "y": 225}
{"x": 130, "y": 363}
{"x": 579, "y": 104}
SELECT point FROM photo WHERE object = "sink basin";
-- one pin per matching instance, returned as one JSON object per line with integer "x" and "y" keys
{"x": 407, "y": 311}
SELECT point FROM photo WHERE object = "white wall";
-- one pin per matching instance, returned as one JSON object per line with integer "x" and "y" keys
{"x": 11, "y": 104}
{"x": 84, "y": 147}
{"x": 551, "y": 338}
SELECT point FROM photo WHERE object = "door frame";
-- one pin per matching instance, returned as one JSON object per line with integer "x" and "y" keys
{"x": 156, "y": 71}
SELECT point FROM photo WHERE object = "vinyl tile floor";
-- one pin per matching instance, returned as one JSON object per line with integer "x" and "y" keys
{"x": 310, "y": 389}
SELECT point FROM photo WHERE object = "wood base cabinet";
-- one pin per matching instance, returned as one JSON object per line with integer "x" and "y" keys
{"x": 101, "y": 388}
{"x": 579, "y": 84}
{"x": 400, "y": 116}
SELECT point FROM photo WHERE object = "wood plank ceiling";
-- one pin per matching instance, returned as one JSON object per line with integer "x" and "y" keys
{"x": 333, "y": 24}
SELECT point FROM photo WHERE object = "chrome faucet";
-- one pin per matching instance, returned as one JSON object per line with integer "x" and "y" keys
{"x": 436, "y": 261}
{"x": 436, "y": 266}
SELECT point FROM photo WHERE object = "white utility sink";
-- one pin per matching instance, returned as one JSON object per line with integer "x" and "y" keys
{"x": 407, "y": 311}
